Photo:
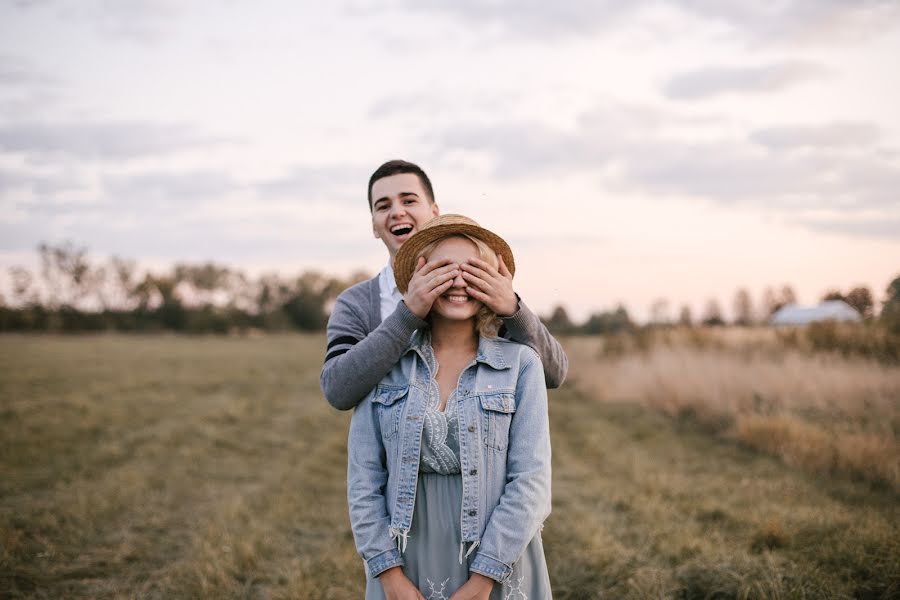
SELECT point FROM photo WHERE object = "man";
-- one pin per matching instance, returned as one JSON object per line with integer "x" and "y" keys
{"x": 372, "y": 322}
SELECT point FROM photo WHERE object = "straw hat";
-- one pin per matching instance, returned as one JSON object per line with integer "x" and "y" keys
{"x": 440, "y": 228}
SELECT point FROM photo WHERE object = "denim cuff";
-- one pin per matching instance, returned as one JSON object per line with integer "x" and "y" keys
{"x": 384, "y": 561}
{"x": 490, "y": 567}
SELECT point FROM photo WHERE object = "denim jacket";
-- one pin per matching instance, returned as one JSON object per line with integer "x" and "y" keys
{"x": 504, "y": 443}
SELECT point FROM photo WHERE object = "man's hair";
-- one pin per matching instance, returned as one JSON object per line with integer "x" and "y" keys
{"x": 396, "y": 167}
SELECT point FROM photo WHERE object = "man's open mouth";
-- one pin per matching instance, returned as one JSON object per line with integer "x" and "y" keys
{"x": 399, "y": 230}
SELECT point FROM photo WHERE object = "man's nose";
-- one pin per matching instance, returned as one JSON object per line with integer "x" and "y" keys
{"x": 397, "y": 209}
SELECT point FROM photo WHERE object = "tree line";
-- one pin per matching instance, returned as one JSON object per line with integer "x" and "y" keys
{"x": 73, "y": 293}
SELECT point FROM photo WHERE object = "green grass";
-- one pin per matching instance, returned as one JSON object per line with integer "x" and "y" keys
{"x": 182, "y": 467}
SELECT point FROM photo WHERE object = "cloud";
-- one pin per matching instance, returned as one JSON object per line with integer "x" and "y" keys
{"x": 338, "y": 182}
{"x": 880, "y": 228}
{"x": 139, "y": 21}
{"x": 25, "y": 89}
{"x": 104, "y": 140}
{"x": 532, "y": 17}
{"x": 633, "y": 149}
{"x": 842, "y": 134}
{"x": 787, "y": 20}
{"x": 41, "y": 184}
{"x": 712, "y": 81}
{"x": 170, "y": 189}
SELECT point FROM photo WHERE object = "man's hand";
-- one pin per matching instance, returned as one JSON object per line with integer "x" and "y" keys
{"x": 429, "y": 280}
{"x": 478, "y": 587}
{"x": 397, "y": 585}
{"x": 492, "y": 287}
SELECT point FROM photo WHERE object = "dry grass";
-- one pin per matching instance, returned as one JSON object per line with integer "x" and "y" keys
{"x": 176, "y": 467}
{"x": 823, "y": 412}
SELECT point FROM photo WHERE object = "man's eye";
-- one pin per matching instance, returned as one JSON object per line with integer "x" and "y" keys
{"x": 409, "y": 201}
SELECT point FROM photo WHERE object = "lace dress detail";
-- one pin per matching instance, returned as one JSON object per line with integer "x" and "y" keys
{"x": 440, "y": 438}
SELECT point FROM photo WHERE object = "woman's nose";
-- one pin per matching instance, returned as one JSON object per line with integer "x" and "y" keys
{"x": 459, "y": 282}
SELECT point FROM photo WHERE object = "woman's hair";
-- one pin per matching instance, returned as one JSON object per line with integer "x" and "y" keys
{"x": 487, "y": 323}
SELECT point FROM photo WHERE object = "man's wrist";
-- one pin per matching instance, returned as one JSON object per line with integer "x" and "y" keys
{"x": 512, "y": 313}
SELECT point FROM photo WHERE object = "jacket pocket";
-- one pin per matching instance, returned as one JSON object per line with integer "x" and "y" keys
{"x": 386, "y": 400}
{"x": 496, "y": 412}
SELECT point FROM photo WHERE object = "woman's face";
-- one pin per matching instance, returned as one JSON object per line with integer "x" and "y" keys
{"x": 455, "y": 303}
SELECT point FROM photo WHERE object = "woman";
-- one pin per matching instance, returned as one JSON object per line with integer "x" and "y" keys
{"x": 449, "y": 456}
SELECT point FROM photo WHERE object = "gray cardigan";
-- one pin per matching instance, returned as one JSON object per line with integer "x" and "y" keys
{"x": 362, "y": 348}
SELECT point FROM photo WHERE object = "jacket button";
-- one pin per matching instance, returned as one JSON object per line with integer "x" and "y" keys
{"x": 471, "y": 428}
{"x": 472, "y": 513}
{"x": 473, "y": 472}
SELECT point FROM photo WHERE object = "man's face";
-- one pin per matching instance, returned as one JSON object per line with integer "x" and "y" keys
{"x": 400, "y": 206}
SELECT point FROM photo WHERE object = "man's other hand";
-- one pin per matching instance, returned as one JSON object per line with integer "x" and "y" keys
{"x": 429, "y": 280}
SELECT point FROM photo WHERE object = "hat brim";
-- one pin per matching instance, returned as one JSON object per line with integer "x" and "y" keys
{"x": 406, "y": 258}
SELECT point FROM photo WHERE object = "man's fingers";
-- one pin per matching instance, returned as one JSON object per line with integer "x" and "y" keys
{"x": 474, "y": 280}
{"x": 420, "y": 262}
{"x": 441, "y": 288}
{"x": 484, "y": 266}
{"x": 433, "y": 264}
{"x": 478, "y": 294}
{"x": 439, "y": 280}
{"x": 478, "y": 272}
{"x": 503, "y": 270}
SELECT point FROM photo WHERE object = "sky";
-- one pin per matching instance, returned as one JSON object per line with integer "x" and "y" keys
{"x": 628, "y": 151}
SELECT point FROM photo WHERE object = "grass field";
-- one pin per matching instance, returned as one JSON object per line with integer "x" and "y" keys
{"x": 177, "y": 467}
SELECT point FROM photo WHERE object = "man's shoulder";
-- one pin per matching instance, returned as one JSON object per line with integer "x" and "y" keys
{"x": 359, "y": 293}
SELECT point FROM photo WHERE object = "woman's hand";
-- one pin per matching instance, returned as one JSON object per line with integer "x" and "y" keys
{"x": 397, "y": 585}
{"x": 478, "y": 587}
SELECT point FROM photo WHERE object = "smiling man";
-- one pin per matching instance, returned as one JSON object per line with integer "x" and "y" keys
{"x": 372, "y": 322}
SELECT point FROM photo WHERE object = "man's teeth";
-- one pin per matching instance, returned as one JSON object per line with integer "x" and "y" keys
{"x": 401, "y": 229}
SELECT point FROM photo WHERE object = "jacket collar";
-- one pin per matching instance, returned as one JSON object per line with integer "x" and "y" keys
{"x": 490, "y": 350}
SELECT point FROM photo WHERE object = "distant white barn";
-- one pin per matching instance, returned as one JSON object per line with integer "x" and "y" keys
{"x": 830, "y": 310}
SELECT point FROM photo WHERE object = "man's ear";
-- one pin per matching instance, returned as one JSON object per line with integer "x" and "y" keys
{"x": 435, "y": 210}
{"x": 375, "y": 232}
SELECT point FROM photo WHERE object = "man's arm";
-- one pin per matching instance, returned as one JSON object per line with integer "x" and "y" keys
{"x": 356, "y": 359}
{"x": 526, "y": 328}
{"x": 493, "y": 287}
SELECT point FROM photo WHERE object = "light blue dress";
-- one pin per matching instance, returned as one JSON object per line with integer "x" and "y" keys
{"x": 434, "y": 561}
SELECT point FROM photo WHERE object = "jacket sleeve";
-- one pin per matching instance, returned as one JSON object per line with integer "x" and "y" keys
{"x": 525, "y": 502}
{"x": 526, "y": 328}
{"x": 366, "y": 484}
{"x": 356, "y": 360}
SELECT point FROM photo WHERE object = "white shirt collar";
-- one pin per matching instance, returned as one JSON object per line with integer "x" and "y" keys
{"x": 386, "y": 280}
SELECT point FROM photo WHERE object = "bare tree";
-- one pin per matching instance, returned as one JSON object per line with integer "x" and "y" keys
{"x": 743, "y": 308}
{"x": 769, "y": 303}
{"x": 659, "y": 311}
{"x": 712, "y": 313}
{"x": 684, "y": 316}
{"x": 787, "y": 295}
{"x": 23, "y": 286}
{"x": 861, "y": 299}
